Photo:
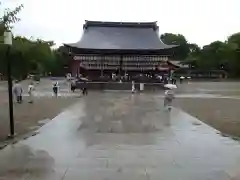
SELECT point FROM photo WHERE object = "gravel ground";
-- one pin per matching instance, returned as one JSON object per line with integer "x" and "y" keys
{"x": 220, "y": 113}
{"x": 27, "y": 116}
{"x": 220, "y": 88}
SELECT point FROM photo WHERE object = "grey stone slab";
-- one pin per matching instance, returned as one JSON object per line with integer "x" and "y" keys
{"x": 85, "y": 163}
{"x": 34, "y": 174}
{"x": 90, "y": 174}
{"x": 107, "y": 174}
{"x": 132, "y": 173}
{"x": 147, "y": 160}
{"x": 183, "y": 174}
{"x": 164, "y": 172}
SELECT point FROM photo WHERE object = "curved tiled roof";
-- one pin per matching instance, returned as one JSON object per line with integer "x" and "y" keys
{"x": 121, "y": 36}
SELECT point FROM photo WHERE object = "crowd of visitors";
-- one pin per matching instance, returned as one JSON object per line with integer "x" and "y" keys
{"x": 169, "y": 94}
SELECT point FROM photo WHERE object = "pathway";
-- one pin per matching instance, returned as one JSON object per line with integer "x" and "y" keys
{"x": 114, "y": 136}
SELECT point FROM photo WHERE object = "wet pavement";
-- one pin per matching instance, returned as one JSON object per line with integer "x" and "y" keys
{"x": 227, "y": 88}
{"x": 192, "y": 89}
{"x": 113, "y": 136}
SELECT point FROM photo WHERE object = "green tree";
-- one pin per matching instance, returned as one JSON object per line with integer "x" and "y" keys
{"x": 217, "y": 56}
{"x": 9, "y": 18}
{"x": 6, "y": 23}
{"x": 28, "y": 55}
{"x": 183, "y": 50}
{"x": 32, "y": 56}
{"x": 232, "y": 50}
{"x": 212, "y": 56}
{"x": 60, "y": 63}
{"x": 194, "y": 49}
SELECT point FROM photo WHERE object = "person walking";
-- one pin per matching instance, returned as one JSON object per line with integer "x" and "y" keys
{"x": 169, "y": 96}
{"x": 55, "y": 89}
{"x": 133, "y": 87}
{"x": 31, "y": 88}
{"x": 165, "y": 80}
{"x": 73, "y": 85}
{"x": 181, "y": 79}
{"x": 17, "y": 91}
{"x": 84, "y": 89}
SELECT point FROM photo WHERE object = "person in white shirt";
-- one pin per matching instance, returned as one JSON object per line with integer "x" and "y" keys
{"x": 31, "y": 88}
{"x": 17, "y": 91}
{"x": 133, "y": 87}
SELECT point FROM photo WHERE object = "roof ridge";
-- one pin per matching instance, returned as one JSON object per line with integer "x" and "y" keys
{"x": 120, "y": 24}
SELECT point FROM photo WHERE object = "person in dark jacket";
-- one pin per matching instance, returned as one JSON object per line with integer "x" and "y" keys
{"x": 55, "y": 89}
{"x": 174, "y": 80}
{"x": 84, "y": 89}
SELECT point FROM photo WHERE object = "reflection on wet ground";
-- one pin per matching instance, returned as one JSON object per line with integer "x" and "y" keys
{"x": 21, "y": 161}
{"x": 122, "y": 136}
{"x": 212, "y": 88}
{"x": 120, "y": 114}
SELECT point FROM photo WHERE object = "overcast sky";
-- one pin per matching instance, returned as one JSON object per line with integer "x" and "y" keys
{"x": 200, "y": 21}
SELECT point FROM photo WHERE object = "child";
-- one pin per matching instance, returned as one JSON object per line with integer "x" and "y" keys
{"x": 84, "y": 89}
{"x": 30, "y": 92}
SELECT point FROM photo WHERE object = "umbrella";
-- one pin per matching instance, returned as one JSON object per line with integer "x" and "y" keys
{"x": 170, "y": 86}
{"x": 83, "y": 79}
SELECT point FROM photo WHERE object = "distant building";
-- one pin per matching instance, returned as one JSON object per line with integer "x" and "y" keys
{"x": 119, "y": 48}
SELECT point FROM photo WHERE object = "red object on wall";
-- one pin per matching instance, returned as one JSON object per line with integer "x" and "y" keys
{"x": 167, "y": 66}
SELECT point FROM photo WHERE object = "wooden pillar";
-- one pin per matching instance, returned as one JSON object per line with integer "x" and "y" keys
{"x": 101, "y": 63}
{"x": 101, "y": 71}
{"x": 78, "y": 71}
{"x": 121, "y": 65}
{"x": 74, "y": 67}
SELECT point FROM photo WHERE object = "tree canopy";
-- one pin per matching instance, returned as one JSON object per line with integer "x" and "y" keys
{"x": 28, "y": 55}
{"x": 214, "y": 56}
{"x": 9, "y": 18}
{"x": 177, "y": 39}
{"x": 219, "y": 56}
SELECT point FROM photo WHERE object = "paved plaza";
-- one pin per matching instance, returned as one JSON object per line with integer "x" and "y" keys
{"x": 113, "y": 136}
